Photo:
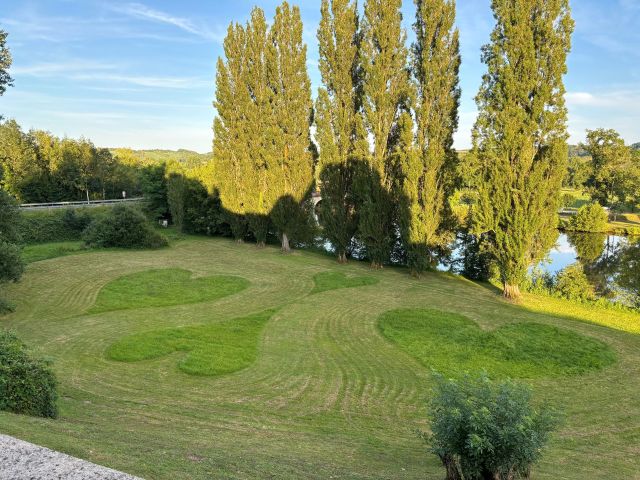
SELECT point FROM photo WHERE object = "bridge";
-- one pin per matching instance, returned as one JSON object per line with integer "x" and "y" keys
{"x": 81, "y": 204}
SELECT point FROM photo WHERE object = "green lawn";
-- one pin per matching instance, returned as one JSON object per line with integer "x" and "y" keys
{"x": 272, "y": 381}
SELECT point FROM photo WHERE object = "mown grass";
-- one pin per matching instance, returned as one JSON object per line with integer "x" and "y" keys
{"x": 164, "y": 287}
{"x": 332, "y": 280}
{"x": 326, "y": 394}
{"x": 213, "y": 349}
{"x": 452, "y": 344}
{"x": 45, "y": 251}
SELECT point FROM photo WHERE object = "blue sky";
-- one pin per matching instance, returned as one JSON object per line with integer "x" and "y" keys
{"x": 141, "y": 74}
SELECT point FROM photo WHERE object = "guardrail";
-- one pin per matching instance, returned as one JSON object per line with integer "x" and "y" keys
{"x": 92, "y": 203}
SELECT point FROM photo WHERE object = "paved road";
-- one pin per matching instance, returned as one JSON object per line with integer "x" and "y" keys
{"x": 25, "y": 461}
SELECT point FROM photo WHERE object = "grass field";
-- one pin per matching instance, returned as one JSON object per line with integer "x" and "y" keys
{"x": 272, "y": 381}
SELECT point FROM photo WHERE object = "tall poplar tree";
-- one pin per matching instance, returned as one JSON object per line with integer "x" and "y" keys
{"x": 385, "y": 88}
{"x": 290, "y": 158}
{"x": 230, "y": 146}
{"x": 339, "y": 129}
{"x": 427, "y": 175}
{"x": 258, "y": 118}
{"x": 520, "y": 134}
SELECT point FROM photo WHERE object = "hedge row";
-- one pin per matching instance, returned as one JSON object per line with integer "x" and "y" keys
{"x": 60, "y": 225}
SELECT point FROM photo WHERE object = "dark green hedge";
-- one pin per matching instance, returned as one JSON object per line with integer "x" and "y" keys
{"x": 60, "y": 225}
{"x": 27, "y": 384}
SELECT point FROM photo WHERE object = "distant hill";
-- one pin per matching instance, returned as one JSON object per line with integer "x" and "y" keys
{"x": 186, "y": 157}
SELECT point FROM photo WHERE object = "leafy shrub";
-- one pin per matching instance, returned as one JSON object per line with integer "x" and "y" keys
{"x": 123, "y": 227}
{"x": 573, "y": 284}
{"x": 11, "y": 264}
{"x": 27, "y": 384}
{"x": 60, "y": 225}
{"x": 590, "y": 218}
{"x": 481, "y": 429}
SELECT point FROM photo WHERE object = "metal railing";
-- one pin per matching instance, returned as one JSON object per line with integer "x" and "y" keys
{"x": 81, "y": 204}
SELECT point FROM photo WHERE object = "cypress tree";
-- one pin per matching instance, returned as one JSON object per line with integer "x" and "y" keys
{"x": 520, "y": 134}
{"x": 385, "y": 90}
{"x": 290, "y": 158}
{"x": 339, "y": 129}
{"x": 427, "y": 175}
{"x": 230, "y": 146}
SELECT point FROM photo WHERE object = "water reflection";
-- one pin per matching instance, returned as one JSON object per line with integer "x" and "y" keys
{"x": 611, "y": 263}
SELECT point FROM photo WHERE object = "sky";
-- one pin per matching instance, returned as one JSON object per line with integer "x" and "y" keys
{"x": 142, "y": 74}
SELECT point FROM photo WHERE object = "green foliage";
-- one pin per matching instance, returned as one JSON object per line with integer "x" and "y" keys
{"x": 520, "y": 135}
{"x": 212, "y": 349}
{"x": 154, "y": 189}
{"x": 340, "y": 131}
{"x": 572, "y": 283}
{"x": 39, "y": 167}
{"x": 164, "y": 287}
{"x": 11, "y": 263}
{"x": 385, "y": 92}
{"x": 453, "y": 344}
{"x": 481, "y": 429}
{"x": 613, "y": 175}
{"x": 5, "y": 63}
{"x": 590, "y": 218}
{"x": 123, "y": 227}
{"x": 335, "y": 280}
{"x": 428, "y": 173}
{"x": 290, "y": 157}
{"x": 57, "y": 225}
{"x": 27, "y": 384}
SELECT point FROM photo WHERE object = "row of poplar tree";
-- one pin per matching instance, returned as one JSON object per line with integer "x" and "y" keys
{"x": 378, "y": 142}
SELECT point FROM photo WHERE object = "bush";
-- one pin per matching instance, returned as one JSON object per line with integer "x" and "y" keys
{"x": 60, "y": 225}
{"x": 123, "y": 227}
{"x": 11, "y": 264}
{"x": 27, "y": 384}
{"x": 482, "y": 429}
{"x": 590, "y": 218}
{"x": 573, "y": 284}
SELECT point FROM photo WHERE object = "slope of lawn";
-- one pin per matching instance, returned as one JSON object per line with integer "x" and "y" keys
{"x": 271, "y": 381}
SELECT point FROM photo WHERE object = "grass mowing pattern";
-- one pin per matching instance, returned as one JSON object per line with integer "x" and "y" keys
{"x": 164, "y": 287}
{"x": 213, "y": 349}
{"x": 453, "y": 344}
{"x": 45, "y": 251}
{"x": 328, "y": 395}
{"x": 334, "y": 280}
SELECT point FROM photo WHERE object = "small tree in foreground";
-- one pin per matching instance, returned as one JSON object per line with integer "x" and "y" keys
{"x": 27, "y": 384}
{"x": 485, "y": 430}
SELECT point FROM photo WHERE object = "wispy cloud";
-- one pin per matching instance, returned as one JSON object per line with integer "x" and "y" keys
{"x": 147, "y": 81}
{"x": 66, "y": 67}
{"x": 143, "y": 12}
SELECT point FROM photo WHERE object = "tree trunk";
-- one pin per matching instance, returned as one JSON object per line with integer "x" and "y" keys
{"x": 342, "y": 257}
{"x": 450, "y": 465}
{"x": 510, "y": 291}
{"x": 261, "y": 244}
{"x": 376, "y": 265}
{"x": 239, "y": 240}
{"x": 88, "y": 201}
{"x": 286, "y": 248}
